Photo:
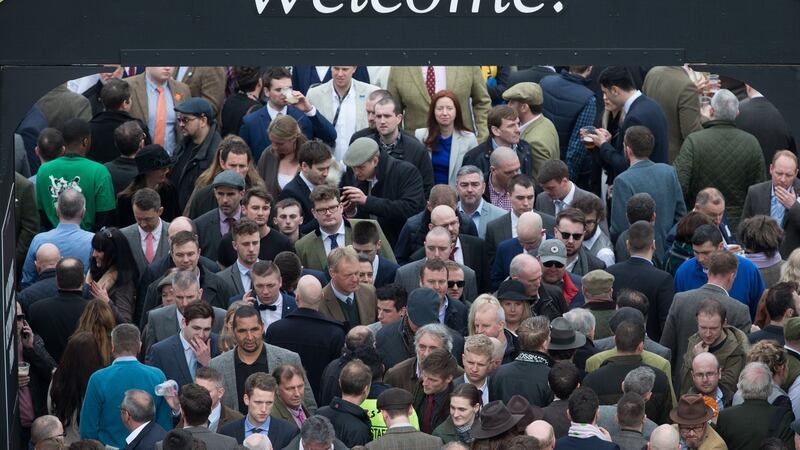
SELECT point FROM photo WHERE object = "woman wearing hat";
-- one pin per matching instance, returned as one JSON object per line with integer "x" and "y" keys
{"x": 153, "y": 163}
{"x": 465, "y": 403}
{"x": 496, "y": 428}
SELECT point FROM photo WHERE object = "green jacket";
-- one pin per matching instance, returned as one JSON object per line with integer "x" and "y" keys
{"x": 721, "y": 156}
{"x": 731, "y": 357}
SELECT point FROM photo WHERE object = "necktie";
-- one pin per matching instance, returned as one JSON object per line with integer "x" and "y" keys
{"x": 453, "y": 254}
{"x": 161, "y": 117}
{"x": 192, "y": 363}
{"x": 333, "y": 237}
{"x": 559, "y": 205}
{"x": 263, "y": 307}
{"x": 301, "y": 416}
{"x": 256, "y": 431}
{"x": 149, "y": 251}
{"x": 349, "y": 301}
{"x": 427, "y": 416}
{"x": 229, "y": 221}
{"x": 430, "y": 81}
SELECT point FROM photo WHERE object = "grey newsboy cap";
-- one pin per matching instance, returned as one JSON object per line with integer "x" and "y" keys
{"x": 360, "y": 151}
{"x": 229, "y": 178}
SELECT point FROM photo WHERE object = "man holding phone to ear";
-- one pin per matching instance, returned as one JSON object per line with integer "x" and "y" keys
{"x": 265, "y": 294}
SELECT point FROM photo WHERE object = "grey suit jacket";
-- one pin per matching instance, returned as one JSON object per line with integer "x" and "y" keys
{"x": 408, "y": 277}
{"x": 209, "y": 234}
{"x": 231, "y": 277}
{"x": 488, "y": 212}
{"x": 463, "y": 141}
{"x": 758, "y": 202}
{"x": 212, "y": 440}
{"x": 682, "y": 322}
{"x": 276, "y": 356}
{"x": 163, "y": 323}
{"x": 544, "y": 203}
{"x": 499, "y": 230}
{"x": 321, "y": 96}
{"x": 650, "y": 345}
{"x": 131, "y": 233}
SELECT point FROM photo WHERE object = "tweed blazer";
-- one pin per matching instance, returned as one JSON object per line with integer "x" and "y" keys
{"x": 311, "y": 250}
{"x": 207, "y": 82}
{"x": 139, "y": 105}
{"x": 365, "y": 299}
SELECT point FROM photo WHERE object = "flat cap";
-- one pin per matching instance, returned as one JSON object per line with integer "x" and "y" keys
{"x": 423, "y": 306}
{"x": 553, "y": 250}
{"x": 360, "y": 151}
{"x": 166, "y": 281}
{"x": 197, "y": 106}
{"x": 791, "y": 329}
{"x": 597, "y": 282}
{"x": 229, "y": 178}
{"x": 528, "y": 93}
{"x": 394, "y": 398}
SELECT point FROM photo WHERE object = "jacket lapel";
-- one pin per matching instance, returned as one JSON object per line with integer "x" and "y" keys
{"x": 163, "y": 242}
{"x": 417, "y": 80}
{"x": 180, "y": 358}
{"x": 330, "y": 306}
{"x": 359, "y": 89}
{"x": 318, "y": 250}
{"x": 141, "y": 95}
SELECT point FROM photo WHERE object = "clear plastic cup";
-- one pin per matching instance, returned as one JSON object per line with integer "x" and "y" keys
{"x": 168, "y": 388}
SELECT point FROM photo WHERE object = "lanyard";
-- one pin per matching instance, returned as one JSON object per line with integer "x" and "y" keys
{"x": 341, "y": 100}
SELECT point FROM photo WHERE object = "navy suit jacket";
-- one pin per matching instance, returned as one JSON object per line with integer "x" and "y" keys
{"x": 254, "y": 128}
{"x": 323, "y": 277}
{"x": 304, "y": 77}
{"x": 289, "y": 304}
{"x": 506, "y": 251}
{"x": 168, "y": 356}
{"x": 386, "y": 272}
{"x": 281, "y": 432}
{"x": 147, "y": 438}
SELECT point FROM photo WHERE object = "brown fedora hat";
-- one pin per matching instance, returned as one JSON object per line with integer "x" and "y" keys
{"x": 691, "y": 410}
{"x": 518, "y": 404}
{"x": 496, "y": 419}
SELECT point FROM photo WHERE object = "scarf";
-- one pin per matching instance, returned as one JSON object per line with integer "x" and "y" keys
{"x": 585, "y": 431}
{"x": 570, "y": 290}
{"x": 463, "y": 434}
{"x": 107, "y": 281}
{"x": 762, "y": 261}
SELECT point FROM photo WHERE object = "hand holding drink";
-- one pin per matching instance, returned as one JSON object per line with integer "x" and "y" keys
{"x": 586, "y": 137}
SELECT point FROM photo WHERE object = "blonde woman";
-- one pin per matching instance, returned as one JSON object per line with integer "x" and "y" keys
{"x": 278, "y": 163}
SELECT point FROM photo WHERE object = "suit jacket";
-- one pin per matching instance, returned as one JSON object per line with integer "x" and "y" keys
{"x": 230, "y": 275}
{"x": 211, "y": 439}
{"x": 745, "y": 426}
{"x": 148, "y": 437}
{"x": 641, "y": 275}
{"x": 139, "y": 106}
{"x": 488, "y": 213}
{"x": 206, "y": 82}
{"x": 60, "y": 105}
{"x": 276, "y": 356}
{"x": 365, "y": 300}
{"x": 758, "y": 201}
{"x": 27, "y": 225}
{"x": 305, "y": 77}
{"x": 474, "y": 252}
{"x": 226, "y": 415}
{"x": 462, "y": 142}
{"x": 408, "y": 87}
{"x": 311, "y": 249}
{"x": 295, "y": 444}
{"x": 759, "y": 117}
{"x": 321, "y": 96}
{"x": 131, "y": 233}
{"x": 544, "y": 203}
{"x": 281, "y": 432}
{"x": 168, "y": 355}
{"x": 682, "y": 322}
{"x": 162, "y": 323}
{"x": 255, "y": 124}
{"x": 405, "y": 438}
{"x": 506, "y": 251}
{"x": 209, "y": 234}
{"x": 298, "y": 190}
{"x": 387, "y": 270}
{"x": 55, "y": 319}
{"x": 499, "y": 230}
{"x": 408, "y": 277}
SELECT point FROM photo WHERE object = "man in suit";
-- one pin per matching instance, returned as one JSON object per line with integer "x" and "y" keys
{"x": 55, "y": 318}
{"x": 344, "y": 299}
{"x": 521, "y": 194}
{"x": 471, "y": 185}
{"x": 228, "y": 189}
{"x": 250, "y": 355}
{"x": 315, "y": 161}
{"x": 220, "y": 414}
{"x": 644, "y": 176}
{"x": 321, "y": 339}
{"x": 618, "y": 88}
{"x": 156, "y": 90}
{"x": 316, "y": 432}
{"x": 278, "y": 90}
{"x": 265, "y": 293}
{"x": 438, "y": 245}
{"x": 571, "y": 229}
{"x": 759, "y": 117}
{"x": 777, "y": 198}
{"x": 559, "y": 192}
{"x": 100, "y": 417}
{"x": 639, "y": 273}
{"x": 503, "y": 124}
{"x": 332, "y": 230}
{"x": 479, "y": 349}
{"x": 206, "y": 82}
{"x": 195, "y": 410}
{"x": 366, "y": 241}
{"x": 192, "y": 347}
{"x": 538, "y": 131}
{"x": 452, "y": 312}
{"x": 414, "y": 86}
{"x": 166, "y": 321}
{"x": 138, "y": 411}
{"x": 289, "y": 395}
{"x": 529, "y": 236}
{"x": 342, "y": 100}
{"x": 678, "y": 96}
{"x": 258, "y": 398}
{"x": 247, "y": 244}
{"x": 396, "y": 407}
{"x": 47, "y": 258}
{"x": 148, "y": 237}
{"x": 681, "y": 322}
{"x": 379, "y": 186}
{"x": 304, "y": 78}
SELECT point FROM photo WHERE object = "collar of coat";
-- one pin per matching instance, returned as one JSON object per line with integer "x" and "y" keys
{"x": 535, "y": 358}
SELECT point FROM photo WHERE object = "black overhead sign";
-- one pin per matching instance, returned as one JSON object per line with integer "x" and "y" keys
{"x": 408, "y": 8}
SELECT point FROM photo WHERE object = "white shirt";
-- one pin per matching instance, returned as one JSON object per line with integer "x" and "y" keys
{"x": 484, "y": 389}
{"x": 135, "y": 432}
{"x": 191, "y": 359}
{"x": 605, "y": 254}
{"x": 526, "y": 124}
{"x": 630, "y": 101}
{"x": 341, "y": 296}
{"x": 213, "y": 418}
{"x": 244, "y": 275}
{"x": 308, "y": 183}
{"x": 322, "y": 71}
{"x": 180, "y": 318}
{"x": 346, "y": 121}
{"x": 270, "y": 317}
{"x": 181, "y": 73}
{"x": 439, "y": 73}
{"x": 156, "y": 237}
{"x": 375, "y": 263}
{"x": 326, "y": 242}
{"x": 274, "y": 112}
{"x": 514, "y": 220}
{"x": 459, "y": 255}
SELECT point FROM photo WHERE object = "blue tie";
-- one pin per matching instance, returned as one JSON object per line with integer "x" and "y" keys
{"x": 334, "y": 244}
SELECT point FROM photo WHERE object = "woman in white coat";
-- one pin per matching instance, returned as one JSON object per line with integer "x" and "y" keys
{"x": 446, "y": 137}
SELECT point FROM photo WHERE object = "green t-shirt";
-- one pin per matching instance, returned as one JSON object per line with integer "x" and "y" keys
{"x": 90, "y": 178}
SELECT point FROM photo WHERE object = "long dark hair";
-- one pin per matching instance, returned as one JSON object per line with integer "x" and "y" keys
{"x": 116, "y": 253}
{"x": 80, "y": 360}
{"x": 433, "y": 126}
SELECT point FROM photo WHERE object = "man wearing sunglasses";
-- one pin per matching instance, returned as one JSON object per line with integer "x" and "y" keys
{"x": 570, "y": 229}
{"x": 553, "y": 257}
{"x": 198, "y": 148}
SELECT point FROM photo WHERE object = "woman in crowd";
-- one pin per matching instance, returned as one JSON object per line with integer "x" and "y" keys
{"x": 761, "y": 238}
{"x": 682, "y": 249}
{"x": 98, "y": 319}
{"x": 790, "y": 271}
{"x": 80, "y": 360}
{"x": 113, "y": 275}
{"x": 446, "y": 137}
{"x": 226, "y": 338}
{"x": 465, "y": 404}
{"x": 153, "y": 164}
{"x": 278, "y": 164}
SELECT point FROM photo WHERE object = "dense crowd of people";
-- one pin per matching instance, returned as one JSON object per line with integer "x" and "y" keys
{"x": 350, "y": 257}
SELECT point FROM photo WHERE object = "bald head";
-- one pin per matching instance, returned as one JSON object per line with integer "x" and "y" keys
{"x": 442, "y": 213}
{"x": 180, "y": 224}
{"x": 665, "y": 437}
{"x": 498, "y": 351}
{"x": 358, "y": 336}
{"x": 502, "y": 155}
{"x": 543, "y": 432}
{"x": 308, "y": 293}
{"x": 47, "y": 256}
{"x": 529, "y": 228}
{"x": 705, "y": 359}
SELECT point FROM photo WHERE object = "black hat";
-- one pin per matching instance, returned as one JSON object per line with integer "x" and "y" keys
{"x": 512, "y": 290}
{"x": 394, "y": 398}
{"x": 496, "y": 419}
{"x": 563, "y": 337}
{"x": 518, "y": 404}
{"x": 423, "y": 306}
{"x": 152, "y": 157}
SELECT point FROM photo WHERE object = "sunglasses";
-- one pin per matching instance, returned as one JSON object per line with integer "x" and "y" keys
{"x": 551, "y": 264}
{"x": 575, "y": 236}
{"x": 20, "y": 317}
{"x": 452, "y": 284}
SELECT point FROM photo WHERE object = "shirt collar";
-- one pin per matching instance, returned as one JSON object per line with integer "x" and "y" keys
{"x": 718, "y": 286}
{"x": 156, "y": 232}
{"x": 588, "y": 243}
{"x": 151, "y": 84}
{"x": 495, "y": 145}
{"x": 243, "y": 271}
{"x": 528, "y": 123}
{"x": 339, "y": 231}
{"x": 215, "y": 414}
{"x": 249, "y": 426}
{"x": 124, "y": 359}
{"x": 274, "y": 112}
{"x": 184, "y": 342}
{"x": 236, "y": 216}
{"x": 627, "y": 106}
{"x": 308, "y": 183}
{"x": 570, "y": 195}
{"x": 135, "y": 432}
{"x": 477, "y": 210}
{"x": 341, "y": 295}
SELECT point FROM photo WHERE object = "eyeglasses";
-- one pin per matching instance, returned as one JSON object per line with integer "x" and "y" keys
{"x": 186, "y": 119}
{"x": 575, "y": 236}
{"x": 551, "y": 264}
{"x": 20, "y": 317}
{"x": 692, "y": 429}
{"x": 328, "y": 210}
{"x": 454, "y": 283}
